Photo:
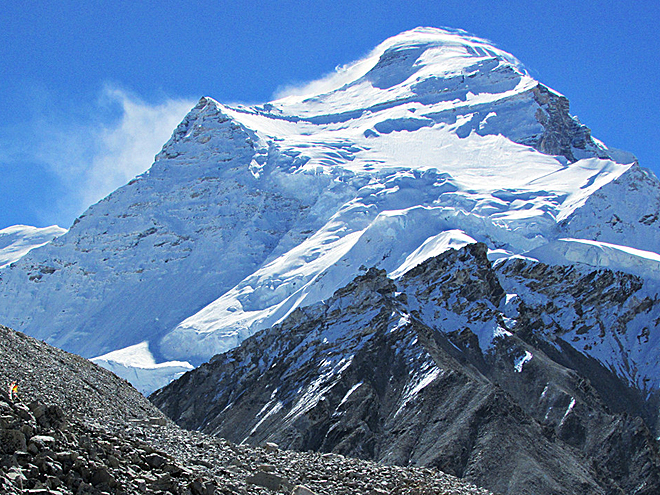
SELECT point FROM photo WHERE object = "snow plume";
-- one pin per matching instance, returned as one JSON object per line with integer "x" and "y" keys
{"x": 116, "y": 142}
{"x": 343, "y": 74}
{"x": 128, "y": 147}
{"x": 420, "y": 36}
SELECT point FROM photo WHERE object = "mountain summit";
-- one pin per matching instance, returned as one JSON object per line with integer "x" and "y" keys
{"x": 435, "y": 140}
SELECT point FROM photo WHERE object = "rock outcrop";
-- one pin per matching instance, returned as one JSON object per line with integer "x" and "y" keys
{"x": 442, "y": 367}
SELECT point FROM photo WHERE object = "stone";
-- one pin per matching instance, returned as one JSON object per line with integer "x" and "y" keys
{"x": 23, "y": 412}
{"x": 102, "y": 476}
{"x": 158, "y": 421}
{"x": 155, "y": 460}
{"x": 268, "y": 480}
{"x": 271, "y": 447}
{"x": 42, "y": 440}
{"x": 37, "y": 409}
{"x": 28, "y": 430}
{"x": 302, "y": 490}
{"x": 202, "y": 462}
{"x": 12, "y": 441}
{"x": 16, "y": 476}
{"x": 164, "y": 482}
{"x": 68, "y": 456}
{"x": 201, "y": 487}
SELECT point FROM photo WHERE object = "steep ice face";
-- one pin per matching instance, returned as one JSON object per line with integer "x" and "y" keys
{"x": 624, "y": 211}
{"x": 598, "y": 254}
{"x": 435, "y": 140}
{"x": 156, "y": 250}
{"x": 422, "y": 119}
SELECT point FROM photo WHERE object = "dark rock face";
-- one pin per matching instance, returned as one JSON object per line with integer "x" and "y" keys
{"x": 126, "y": 446}
{"x": 590, "y": 309}
{"x": 563, "y": 134}
{"x": 434, "y": 370}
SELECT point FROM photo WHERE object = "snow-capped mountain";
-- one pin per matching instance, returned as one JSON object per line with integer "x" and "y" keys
{"x": 435, "y": 140}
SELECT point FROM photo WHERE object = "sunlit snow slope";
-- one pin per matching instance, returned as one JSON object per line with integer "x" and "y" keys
{"x": 434, "y": 140}
{"x": 16, "y": 241}
{"x": 137, "y": 365}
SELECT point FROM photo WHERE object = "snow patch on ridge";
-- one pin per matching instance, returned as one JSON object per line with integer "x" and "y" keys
{"x": 600, "y": 255}
{"x": 433, "y": 246}
{"x": 16, "y": 241}
{"x": 520, "y": 361}
{"x": 136, "y": 364}
{"x": 427, "y": 373}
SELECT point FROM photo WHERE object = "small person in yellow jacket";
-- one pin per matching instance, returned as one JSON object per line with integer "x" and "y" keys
{"x": 13, "y": 391}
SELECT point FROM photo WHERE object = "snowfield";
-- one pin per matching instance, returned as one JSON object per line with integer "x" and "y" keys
{"x": 136, "y": 364}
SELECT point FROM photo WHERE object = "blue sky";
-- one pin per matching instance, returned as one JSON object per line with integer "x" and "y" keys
{"x": 89, "y": 91}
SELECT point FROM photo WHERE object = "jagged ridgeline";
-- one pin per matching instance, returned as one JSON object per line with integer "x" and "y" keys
{"x": 445, "y": 367}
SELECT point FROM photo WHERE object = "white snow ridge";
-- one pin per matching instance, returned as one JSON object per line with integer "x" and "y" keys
{"x": 137, "y": 365}
{"x": 16, "y": 241}
{"x": 435, "y": 140}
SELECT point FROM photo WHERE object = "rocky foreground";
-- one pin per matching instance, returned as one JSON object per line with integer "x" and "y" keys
{"x": 77, "y": 428}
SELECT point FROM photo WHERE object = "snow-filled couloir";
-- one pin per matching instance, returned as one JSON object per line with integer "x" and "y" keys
{"x": 434, "y": 140}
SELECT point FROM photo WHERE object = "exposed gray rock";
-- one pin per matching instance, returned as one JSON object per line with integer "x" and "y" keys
{"x": 12, "y": 441}
{"x": 563, "y": 134}
{"x": 74, "y": 453}
{"x": 268, "y": 480}
{"x": 302, "y": 490}
{"x": 433, "y": 370}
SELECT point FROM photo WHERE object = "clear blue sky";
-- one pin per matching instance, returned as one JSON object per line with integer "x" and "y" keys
{"x": 78, "y": 80}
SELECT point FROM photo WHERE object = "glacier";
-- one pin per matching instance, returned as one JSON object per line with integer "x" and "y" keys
{"x": 434, "y": 140}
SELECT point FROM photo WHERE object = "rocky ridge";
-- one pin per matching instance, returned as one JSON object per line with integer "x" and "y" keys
{"x": 445, "y": 367}
{"x": 63, "y": 437}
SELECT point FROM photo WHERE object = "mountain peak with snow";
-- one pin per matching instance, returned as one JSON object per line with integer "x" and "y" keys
{"x": 16, "y": 241}
{"x": 435, "y": 140}
{"x": 419, "y": 54}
